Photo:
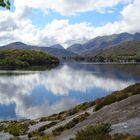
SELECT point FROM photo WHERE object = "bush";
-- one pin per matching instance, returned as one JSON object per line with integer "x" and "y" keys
{"x": 117, "y": 96}
{"x": 97, "y": 132}
{"x": 101, "y": 132}
{"x": 58, "y": 131}
{"x": 43, "y": 138}
{"x": 16, "y": 128}
{"x": 70, "y": 124}
{"x": 15, "y": 138}
{"x": 39, "y": 132}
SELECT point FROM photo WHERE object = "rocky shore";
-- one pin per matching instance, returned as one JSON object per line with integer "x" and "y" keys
{"x": 121, "y": 109}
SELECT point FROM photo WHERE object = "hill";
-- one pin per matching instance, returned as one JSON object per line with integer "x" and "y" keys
{"x": 128, "y": 51}
{"x": 103, "y": 42}
{"x": 24, "y": 59}
{"x": 55, "y": 50}
{"x": 57, "y": 46}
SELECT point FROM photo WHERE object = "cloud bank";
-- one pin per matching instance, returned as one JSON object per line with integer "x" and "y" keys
{"x": 18, "y": 26}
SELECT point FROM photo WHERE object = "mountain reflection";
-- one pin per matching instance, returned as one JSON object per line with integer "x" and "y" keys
{"x": 55, "y": 85}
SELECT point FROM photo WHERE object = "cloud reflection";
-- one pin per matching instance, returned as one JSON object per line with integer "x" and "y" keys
{"x": 59, "y": 82}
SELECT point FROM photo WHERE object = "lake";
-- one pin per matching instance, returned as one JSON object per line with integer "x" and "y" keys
{"x": 35, "y": 94}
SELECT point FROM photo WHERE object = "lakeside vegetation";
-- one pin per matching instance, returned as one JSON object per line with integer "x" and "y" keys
{"x": 26, "y": 59}
{"x": 117, "y": 96}
{"x": 101, "y": 132}
{"x": 97, "y": 132}
{"x": 70, "y": 124}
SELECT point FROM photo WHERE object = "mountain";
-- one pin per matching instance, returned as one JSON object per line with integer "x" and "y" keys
{"x": 56, "y": 50}
{"x": 18, "y": 45}
{"x": 57, "y": 46}
{"x": 76, "y": 48}
{"x": 126, "y": 51}
{"x": 103, "y": 42}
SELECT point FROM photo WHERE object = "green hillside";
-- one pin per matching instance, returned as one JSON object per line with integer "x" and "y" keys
{"x": 24, "y": 59}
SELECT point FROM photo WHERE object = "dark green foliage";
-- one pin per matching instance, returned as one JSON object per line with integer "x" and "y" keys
{"x": 16, "y": 128}
{"x": 76, "y": 120}
{"x": 5, "y": 3}
{"x": 70, "y": 124}
{"x": 101, "y": 132}
{"x": 58, "y": 131}
{"x": 133, "y": 89}
{"x": 21, "y": 59}
{"x": 33, "y": 122}
{"x": 117, "y": 96}
{"x": 47, "y": 126}
{"x": 42, "y": 138}
{"x": 15, "y": 138}
{"x": 39, "y": 132}
{"x": 2, "y": 127}
{"x": 62, "y": 115}
{"x": 97, "y": 132}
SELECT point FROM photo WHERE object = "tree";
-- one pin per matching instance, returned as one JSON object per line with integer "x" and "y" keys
{"x": 5, "y": 3}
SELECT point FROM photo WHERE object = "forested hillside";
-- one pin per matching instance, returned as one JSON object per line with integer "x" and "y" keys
{"x": 16, "y": 59}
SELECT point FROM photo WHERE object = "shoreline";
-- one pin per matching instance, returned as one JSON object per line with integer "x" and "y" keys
{"x": 66, "y": 123}
{"x": 103, "y": 63}
{"x": 85, "y": 104}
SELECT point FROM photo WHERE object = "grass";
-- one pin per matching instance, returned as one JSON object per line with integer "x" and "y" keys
{"x": 117, "y": 96}
{"x": 62, "y": 115}
{"x": 70, "y": 124}
{"x": 97, "y": 132}
{"x": 2, "y": 127}
{"x": 101, "y": 132}
{"x": 16, "y": 128}
{"x": 43, "y": 138}
{"x": 39, "y": 132}
{"x": 15, "y": 138}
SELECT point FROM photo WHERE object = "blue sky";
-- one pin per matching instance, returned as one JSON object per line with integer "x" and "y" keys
{"x": 95, "y": 18}
{"x": 48, "y": 22}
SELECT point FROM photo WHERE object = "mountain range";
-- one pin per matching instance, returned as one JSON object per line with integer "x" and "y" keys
{"x": 102, "y": 42}
{"x": 90, "y": 48}
{"x": 128, "y": 51}
{"x": 55, "y": 50}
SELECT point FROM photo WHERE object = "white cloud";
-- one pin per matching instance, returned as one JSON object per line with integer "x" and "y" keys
{"x": 17, "y": 26}
{"x": 67, "y": 7}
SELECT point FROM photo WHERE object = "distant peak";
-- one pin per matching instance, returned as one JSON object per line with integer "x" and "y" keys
{"x": 57, "y": 46}
{"x": 18, "y": 43}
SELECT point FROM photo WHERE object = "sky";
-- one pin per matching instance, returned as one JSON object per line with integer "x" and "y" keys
{"x": 66, "y": 22}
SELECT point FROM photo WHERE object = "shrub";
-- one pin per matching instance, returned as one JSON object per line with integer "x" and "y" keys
{"x": 43, "y": 138}
{"x": 97, "y": 132}
{"x": 16, "y": 128}
{"x": 58, "y": 131}
{"x": 15, "y": 138}
{"x": 39, "y": 132}
{"x": 2, "y": 127}
{"x": 70, "y": 124}
{"x": 101, "y": 132}
{"x": 117, "y": 96}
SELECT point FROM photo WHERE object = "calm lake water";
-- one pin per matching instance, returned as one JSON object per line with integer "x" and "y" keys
{"x": 36, "y": 94}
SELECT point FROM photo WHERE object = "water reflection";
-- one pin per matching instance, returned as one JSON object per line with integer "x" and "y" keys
{"x": 38, "y": 94}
